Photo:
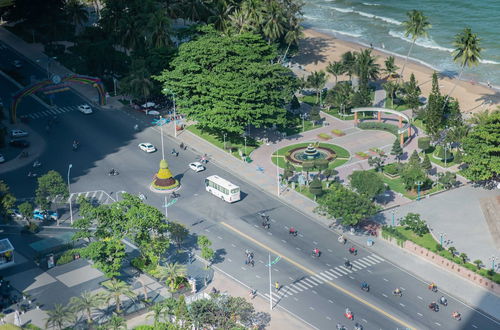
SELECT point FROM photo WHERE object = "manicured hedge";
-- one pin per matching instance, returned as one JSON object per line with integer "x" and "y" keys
{"x": 379, "y": 126}
{"x": 424, "y": 143}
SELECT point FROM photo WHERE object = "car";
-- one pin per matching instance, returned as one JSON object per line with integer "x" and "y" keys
{"x": 196, "y": 166}
{"x": 15, "y": 133}
{"x": 18, "y": 64}
{"x": 42, "y": 215}
{"x": 147, "y": 147}
{"x": 152, "y": 112}
{"x": 2, "y": 158}
{"x": 19, "y": 143}
{"x": 85, "y": 109}
{"x": 16, "y": 214}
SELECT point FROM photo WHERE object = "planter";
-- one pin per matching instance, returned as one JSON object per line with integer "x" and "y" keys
{"x": 324, "y": 136}
{"x": 337, "y": 132}
{"x": 362, "y": 155}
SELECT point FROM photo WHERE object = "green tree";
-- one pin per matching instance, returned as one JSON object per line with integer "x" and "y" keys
{"x": 424, "y": 143}
{"x": 58, "y": 317}
{"x": 227, "y": 86}
{"x": 414, "y": 159}
{"x": 329, "y": 172}
{"x": 138, "y": 83}
{"x": 26, "y": 209}
{"x": 366, "y": 67}
{"x": 426, "y": 163}
{"x": 416, "y": 26}
{"x": 182, "y": 311}
{"x": 361, "y": 98}
{"x": 447, "y": 179}
{"x": 316, "y": 80}
{"x": 467, "y": 52}
{"x": 415, "y": 224}
{"x": 341, "y": 203}
{"x": 341, "y": 97}
{"x": 390, "y": 67}
{"x": 208, "y": 254}
{"x": 158, "y": 313}
{"x": 294, "y": 104}
{"x": 397, "y": 150}
{"x": 321, "y": 164}
{"x": 391, "y": 89}
{"x": 116, "y": 323}
{"x": 377, "y": 162}
{"x": 203, "y": 241}
{"x": 478, "y": 263}
{"x": 86, "y": 303}
{"x": 7, "y": 200}
{"x": 314, "y": 115}
{"x": 178, "y": 232}
{"x": 411, "y": 174}
{"x": 76, "y": 12}
{"x": 464, "y": 257}
{"x": 481, "y": 153}
{"x": 107, "y": 254}
{"x": 117, "y": 288}
{"x": 159, "y": 29}
{"x": 316, "y": 187}
{"x": 307, "y": 167}
{"x": 452, "y": 250}
{"x": 50, "y": 185}
{"x": 434, "y": 112}
{"x": 289, "y": 171}
{"x": 348, "y": 61}
{"x": 367, "y": 183}
{"x": 412, "y": 93}
{"x": 172, "y": 273}
{"x": 336, "y": 69}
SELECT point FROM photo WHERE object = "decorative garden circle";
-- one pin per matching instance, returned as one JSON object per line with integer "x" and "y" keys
{"x": 310, "y": 153}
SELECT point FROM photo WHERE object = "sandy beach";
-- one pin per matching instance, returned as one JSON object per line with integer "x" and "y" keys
{"x": 318, "y": 49}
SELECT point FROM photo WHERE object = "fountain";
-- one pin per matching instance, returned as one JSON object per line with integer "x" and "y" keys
{"x": 310, "y": 153}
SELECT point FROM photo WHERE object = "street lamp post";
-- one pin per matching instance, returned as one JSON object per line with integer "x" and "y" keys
{"x": 418, "y": 183}
{"x": 167, "y": 90}
{"x": 303, "y": 116}
{"x": 441, "y": 236}
{"x": 277, "y": 172}
{"x": 245, "y": 137}
{"x": 393, "y": 213}
{"x": 224, "y": 135}
{"x": 493, "y": 259}
{"x": 69, "y": 192}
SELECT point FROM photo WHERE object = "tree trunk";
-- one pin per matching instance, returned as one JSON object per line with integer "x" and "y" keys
{"x": 454, "y": 86}
{"x": 406, "y": 60}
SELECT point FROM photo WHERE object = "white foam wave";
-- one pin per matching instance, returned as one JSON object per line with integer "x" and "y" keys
{"x": 342, "y": 10}
{"x": 422, "y": 42}
{"x": 311, "y": 18}
{"x": 382, "y": 18}
{"x": 488, "y": 62}
{"x": 371, "y": 4}
{"x": 349, "y": 34}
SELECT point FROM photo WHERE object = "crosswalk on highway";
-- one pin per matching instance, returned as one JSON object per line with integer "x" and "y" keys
{"x": 52, "y": 112}
{"x": 309, "y": 282}
{"x": 95, "y": 196}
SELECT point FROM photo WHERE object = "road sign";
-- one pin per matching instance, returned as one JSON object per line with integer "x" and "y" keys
{"x": 274, "y": 261}
{"x": 172, "y": 202}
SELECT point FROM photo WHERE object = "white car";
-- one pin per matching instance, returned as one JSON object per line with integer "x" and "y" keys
{"x": 2, "y": 158}
{"x": 147, "y": 147}
{"x": 15, "y": 133}
{"x": 85, "y": 109}
{"x": 196, "y": 166}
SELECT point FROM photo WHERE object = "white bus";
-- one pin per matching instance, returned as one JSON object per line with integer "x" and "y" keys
{"x": 222, "y": 188}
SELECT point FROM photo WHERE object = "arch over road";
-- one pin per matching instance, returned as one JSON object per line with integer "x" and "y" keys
{"x": 401, "y": 116}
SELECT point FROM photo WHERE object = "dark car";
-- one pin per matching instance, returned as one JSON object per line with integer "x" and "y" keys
{"x": 19, "y": 143}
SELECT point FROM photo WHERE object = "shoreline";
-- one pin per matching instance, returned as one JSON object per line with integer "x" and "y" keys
{"x": 317, "y": 49}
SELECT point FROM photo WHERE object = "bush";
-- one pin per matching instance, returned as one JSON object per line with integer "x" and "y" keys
{"x": 392, "y": 169}
{"x": 362, "y": 154}
{"x": 324, "y": 136}
{"x": 379, "y": 126}
{"x": 424, "y": 143}
{"x": 67, "y": 257}
{"x": 31, "y": 228}
{"x": 338, "y": 132}
{"x": 439, "y": 153}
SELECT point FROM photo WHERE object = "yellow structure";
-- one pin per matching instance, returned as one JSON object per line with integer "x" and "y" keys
{"x": 163, "y": 180}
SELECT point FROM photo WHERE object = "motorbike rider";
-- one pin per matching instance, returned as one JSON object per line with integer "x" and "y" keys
{"x": 397, "y": 291}
{"x": 292, "y": 231}
{"x": 456, "y": 315}
{"x": 347, "y": 264}
{"x": 316, "y": 252}
{"x": 443, "y": 300}
{"x": 353, "y": 250}
{"x": 364, "y": 285}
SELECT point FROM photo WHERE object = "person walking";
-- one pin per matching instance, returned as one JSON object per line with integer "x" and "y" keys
{"x": 277, "y": 286}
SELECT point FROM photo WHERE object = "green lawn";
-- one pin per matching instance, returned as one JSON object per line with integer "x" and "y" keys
{"x": 308, "y": 125}
{"x": 309, "y": 99}
{"x": 215, "y": 140}
{"x": 439, "y": 162}
{"x": 342, "y": 154}
{"x": 426, "y": 241}
{"x": 399, "y": 107}
{"x": 398, "y": 186}
{"x": 420, "y": 124}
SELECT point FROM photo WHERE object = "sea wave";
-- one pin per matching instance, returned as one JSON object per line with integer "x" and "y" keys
{"x": 310, "y": 17}
{"x": 342, "y": 10}
{"x": 422, "y": 42}
{"x": 349, "y": 34}
{"x": 371, "y": 4}
{"x": 362, "y": 13}
{"x": 488, "y": 62}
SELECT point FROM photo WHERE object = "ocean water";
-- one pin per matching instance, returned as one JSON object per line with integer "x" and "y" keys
{"x": 379, "y": 22}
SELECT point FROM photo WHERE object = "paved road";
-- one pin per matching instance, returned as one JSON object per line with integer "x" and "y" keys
{"x": 108, "y": 140}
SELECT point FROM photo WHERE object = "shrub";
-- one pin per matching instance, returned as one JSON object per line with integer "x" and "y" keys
{"x": 362, "y": 154}
{"x": 379, "y": 126}
{"x": 439, "y": 153}
{"x": 392, "y": 169}
{"x": 321, "y": 164}
{"x": 424, "y": 143}
{"x": 324, "y": 136}
{"x": 67, "y": 257}
{"x": 338, "y": 132}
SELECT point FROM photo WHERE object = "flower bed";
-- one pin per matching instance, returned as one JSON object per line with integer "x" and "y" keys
{"x": 324, "y": 136}
{"x": 337, "y": 132}
{"x": 362, "y": 155}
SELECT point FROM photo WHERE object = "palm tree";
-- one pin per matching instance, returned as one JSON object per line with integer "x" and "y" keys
{"x": 170, "y": 273}
{"x": 292, "y": 36}
{"x": 138, "y": 83}
{"x": 76, "y": 12}
{"x": 158, "y": 29}
{"x": 58, "y": 317}
{"x": 391, "y": 88}
{"x": 97, "y": 5}
{"x": 273, "y": 22}
{"x": 348, "y": 60}
{"x": 416, "y": 26}
{"x": 365, "y": 67}
{"x": 467, "y": 52}
{"x": 116, "y": 323}
{"x": 316, "y": 81}
{"x": 336, "y": 69}
{"x": 481, "y": 117}
{"x": 86, "y": 303}
{"x": 342, "y": 97}
{"x": 253, "y": 10}
{"x": 390, "y": 66}
{"x": 159, "y": 312}
{"x": 116, "y": 289}
{"x": 220, "y": 13}
{"x": 240, "y": 21}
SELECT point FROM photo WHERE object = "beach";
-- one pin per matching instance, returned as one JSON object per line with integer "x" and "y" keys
{"x": 318, "y": 49}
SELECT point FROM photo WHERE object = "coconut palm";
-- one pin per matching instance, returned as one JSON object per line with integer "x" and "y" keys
{"x": 467, "y": 52}
{"x": 336, "y": 69}
{"x": 348, "y": 60}
{"x": 292, "y": 36}
{"x": 116, "y": 289}
{"x": 171, "y": 273}
{"x": 273, "y": 22}
{"x": 116, "y": 323}
{"x": 58, "y": 317}
{"x": 86, "y": 303}
{"x": 253, "y": 10}
{"x": 219, "y": 17}
{"x": 416, "y": 26}
{"x": 158, "y": 312}
{"x": 158, "y": 29}
{"x": 390, "y": 66}
{"x": 97, "y": 5}
{"x": 240, "y": 21}
{"x": 341, "y": 97}
{"x": 316, "y": 81}
{"x": 365, "y": 67}
{"x": 76, "y": 12}
{"x": 391, "y": 89}
{"x": 138, "y": 83}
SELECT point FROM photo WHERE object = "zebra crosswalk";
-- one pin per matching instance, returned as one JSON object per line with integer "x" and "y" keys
{"x": 95, "y": 196}
{"x": 52, "y": 112}
{"x": 309, "y": 282}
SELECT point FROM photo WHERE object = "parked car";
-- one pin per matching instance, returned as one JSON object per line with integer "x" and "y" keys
{"x": 2, "y": 158}
{"x": 196, "y": 166}
{"x": 42, "y": 215}
{"x": 17, "y": 64}
{"x": 85, "y": 109}
{"x": 16, "y": 133}
{"x": 19, "y": 143}
{"x": 147, "y": 147}
{"x": 16, "y": 214}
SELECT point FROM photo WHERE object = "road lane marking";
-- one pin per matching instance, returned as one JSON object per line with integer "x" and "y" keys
{"x": 228, "y": 259}
{"x": 331, "y": 302}
{"x": 419, "y": 314}
{"x": 290, "y": 278}
{"x": 438, "y": 324}
{"x": 351, "y": 277}
{"x": 296, "y": 287}
{"x": 364, "y": 320}
{"x": 340, "y": 271}
{"x": 233, "y": 245}
{"x": 384, "y": 295}
{"x": 314, "y": 292}
{"x": 307, "y": 270}
{"x": 219, "y": 237}
{"x": 258, "y": 276}
{"x": 328, "y": 273}
{"x": 316, "y": 243}
{"x": 269, "y": 233}
{"x": 420, "y": 298}
{"x": 369, "y": 271}
{"x": 298, "y": 248}
{"x": 311, "y": 308}
{"x": 308, "y": 280}
{"x": 316, "y": 279}
{"x": 474, "y": 326}
{"x": 296, "y": 299}
{"x": 283, "y": 241}
{"x": 333, "y": 271}
{"x": 329, "y": 250}
{"x": 402, "y": 305}
{"x": 300, "y": 285}
{"x": 329, "y": 265}
{"x": 328, "y": 318}
{"x": 386, "y": 280}
{"x": 344, "y": 268}
{"x": 361, "y": 262}
{"x": 377, "y": 257}
{"x": 276, "y": 270}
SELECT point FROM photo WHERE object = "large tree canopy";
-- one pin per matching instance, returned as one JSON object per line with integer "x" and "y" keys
{"x": 227, "y": 82}
{"x": 482, "y": 149}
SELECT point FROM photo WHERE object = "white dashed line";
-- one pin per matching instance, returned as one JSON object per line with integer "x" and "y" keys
{"x": 386, "y": 280}
{"x": 364, "y": 320}
{"x": 311, "y": 308}
{"x": 314, "y": 292}
{"x": 474, "y": 326}
{"x": 271, "y": 234}
{"x": 296, "y": 299}
{"x": 258, "y": 276}
{"x": 329, "y": 265}
{"x": 207, "y": 230}
{"x": 229, "y": 260}
{"x": 283, "y": 241}
{"x": 298, "y": 248}
{"x": 219, "y": 237}
{"x": 384, "y": 295}
{"x": 438, "y": 324}
{"x": 243, "y": 268}
{"x": 403, "y": 288}
{"x": 352, "y": 278}
{"x": 419, "y": 314}
{"x": 369, "y": 271}
{"x": 420, "y": 298}
{"x": 276, "y": 270}
{"x": 261, "y": 261}
{"x": 329, "y": 250}
{"x": 402, "y": 304}
{"x": 300, "y": 235}
{"x": 328, "y": 318}
{"x": 316, "y": 243}
{"x": 233, "y": 245}
{"x": 256, "y": 226}
{"x": 331, "y": 302}
{"x": 290, "y": 278}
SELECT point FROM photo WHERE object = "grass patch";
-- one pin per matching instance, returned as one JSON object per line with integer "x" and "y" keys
{"x": 309, "y": 99}
{"x": 338, "y": 132}
{"x": 397, "y": 185}
{"x": 324, "y": 136}
{"x": 430, "y": 153}
{"x": 419, "y": 124}
{"x": 362, "y": 154}
{"x": 389, "y": 104}
{"x": 216, "y": 141}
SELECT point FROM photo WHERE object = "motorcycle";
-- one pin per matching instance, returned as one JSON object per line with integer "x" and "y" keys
{"x": 397, "y": 293}
{"x": 113, "y": 173}
{"x": 456, "y": 316}
{"x": 32, "y": 175}
{"x": 433, "y": 287}
{"x": 443, "y": 301}
{"x": 36, "y": 163}
{"x": 75, "y": 146}
{"x": 347, "y": 265}
{"x": 434, "y": 307}
{"x": 353, "y": 250}
{"x": 348, "y": 314}
{"x": 342, "y": 240}
{"x": 365, "y": 287}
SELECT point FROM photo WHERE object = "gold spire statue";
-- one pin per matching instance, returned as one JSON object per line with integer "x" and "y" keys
{"x": 163, "y": 180}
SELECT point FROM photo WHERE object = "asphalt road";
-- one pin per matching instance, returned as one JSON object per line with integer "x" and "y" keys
{"x": 316, "y": 290}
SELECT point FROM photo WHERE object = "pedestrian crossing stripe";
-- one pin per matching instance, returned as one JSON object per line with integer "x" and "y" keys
{"x": 52, "y": 111}
{"x": 99, "y": 196}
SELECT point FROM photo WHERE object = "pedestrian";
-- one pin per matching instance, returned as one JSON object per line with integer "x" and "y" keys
{"x": 277, "y": 286}
{"x": 182, "y": 146}
{"x": 252, "y": 263}
{"x": 252, "y": 293}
